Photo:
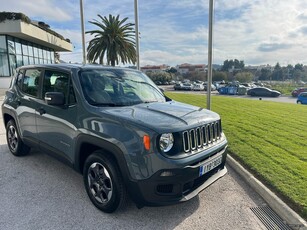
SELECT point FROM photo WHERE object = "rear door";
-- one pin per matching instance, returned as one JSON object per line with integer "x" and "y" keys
{"x": 27, "y": 100}
{"x": 56, "y": 124}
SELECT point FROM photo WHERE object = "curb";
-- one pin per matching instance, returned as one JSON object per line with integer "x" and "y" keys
{"x": 280, "y": 207}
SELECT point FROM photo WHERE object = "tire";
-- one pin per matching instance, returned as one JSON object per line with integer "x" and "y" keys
{"x": 103, "y": 183}
{"x": 299, "y": 102}
{"x": 14, "y": 142}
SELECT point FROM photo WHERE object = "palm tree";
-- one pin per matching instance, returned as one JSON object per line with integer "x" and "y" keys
{"x": 115, "y": 40}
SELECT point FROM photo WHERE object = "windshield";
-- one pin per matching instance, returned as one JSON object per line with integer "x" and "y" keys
{"x": 118, "y": 87}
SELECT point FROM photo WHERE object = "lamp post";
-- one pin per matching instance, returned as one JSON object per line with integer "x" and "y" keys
{"x": 210, "y": 55}
{"x": 82, "y": 31}
{"x": 136, "y": 17}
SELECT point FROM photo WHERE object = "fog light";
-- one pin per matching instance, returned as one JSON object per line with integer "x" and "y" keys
{"x": 167, "y": 173}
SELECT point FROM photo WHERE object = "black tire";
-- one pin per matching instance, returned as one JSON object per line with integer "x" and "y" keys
{"x": 103, "y": 183}
{"x": 299, "y": 102}
{"x": 14, "y": 142}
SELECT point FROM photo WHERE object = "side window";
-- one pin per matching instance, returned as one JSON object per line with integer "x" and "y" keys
{"x": 19, "y": 79}
{"x": 59, "y": 82}
{"x": 30, "y": 82}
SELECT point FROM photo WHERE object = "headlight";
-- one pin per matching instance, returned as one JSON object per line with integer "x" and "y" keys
{"x": 166, "y": 142}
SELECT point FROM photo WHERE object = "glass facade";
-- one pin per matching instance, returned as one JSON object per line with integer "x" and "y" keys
{"x": 15, "y": 52}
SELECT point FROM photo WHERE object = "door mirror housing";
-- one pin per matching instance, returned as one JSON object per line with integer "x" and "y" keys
{"x": 55, "y": 98}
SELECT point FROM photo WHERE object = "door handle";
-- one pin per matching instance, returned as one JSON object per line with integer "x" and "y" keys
{"x": 41, "y": 111}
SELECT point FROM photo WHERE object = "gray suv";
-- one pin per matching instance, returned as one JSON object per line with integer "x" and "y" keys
{"x": 114, "y": 126}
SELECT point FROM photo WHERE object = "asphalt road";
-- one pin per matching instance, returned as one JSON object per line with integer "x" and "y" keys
{"x": 39, "y": 192}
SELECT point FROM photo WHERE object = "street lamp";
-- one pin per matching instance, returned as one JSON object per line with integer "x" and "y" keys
{"x": 136, "y": 16}
{"x": 82, "y": 31}
{"x": 210, "y": 55}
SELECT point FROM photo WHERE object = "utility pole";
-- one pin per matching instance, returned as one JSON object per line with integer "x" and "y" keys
{"x": 137, "y": 42}
{"x": 210, "y": 55}
{"x": 83, "y": 32}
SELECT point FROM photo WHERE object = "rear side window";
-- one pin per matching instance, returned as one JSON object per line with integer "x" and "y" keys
{"x": 30, "y": 82}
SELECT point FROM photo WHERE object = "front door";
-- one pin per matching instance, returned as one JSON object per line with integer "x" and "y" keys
{"x": 56, "y": 124}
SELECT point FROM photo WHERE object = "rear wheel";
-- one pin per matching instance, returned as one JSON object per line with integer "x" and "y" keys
{"x": 103, "y": 183}
{"x": 15, "y": 144}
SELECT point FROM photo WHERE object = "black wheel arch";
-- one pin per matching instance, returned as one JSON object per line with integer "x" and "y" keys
{"x": 86, "y": 145}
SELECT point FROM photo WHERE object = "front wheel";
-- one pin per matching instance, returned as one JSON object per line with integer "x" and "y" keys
{"x": 15, "y": 144}
{"x": 299, "y": 102}
{"x": 103, "y": 183}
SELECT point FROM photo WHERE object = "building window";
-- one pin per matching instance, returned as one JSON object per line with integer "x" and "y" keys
{"x": 13, "y": 63}
{"x": 3, "y": 47}
{"x": 18, "y": 47}
{"x": 19, "y": 60}
{"x": 11, "y": 46}
{"x": 15, "y": 52}
{"x": 25, "y": 49}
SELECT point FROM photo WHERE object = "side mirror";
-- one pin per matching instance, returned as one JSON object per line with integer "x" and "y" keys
{"x": 55, "y": 98}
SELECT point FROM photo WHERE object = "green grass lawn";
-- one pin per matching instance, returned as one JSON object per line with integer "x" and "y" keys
{"x": 268, "y": 138}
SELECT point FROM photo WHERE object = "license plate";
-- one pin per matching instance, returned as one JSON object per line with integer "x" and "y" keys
{"x": 208, "y": 166}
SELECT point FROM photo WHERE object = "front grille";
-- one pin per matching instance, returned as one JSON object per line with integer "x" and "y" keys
{"x": 202, "y": 137}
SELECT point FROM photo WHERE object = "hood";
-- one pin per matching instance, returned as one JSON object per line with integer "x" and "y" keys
{"x": 164, "y": 116}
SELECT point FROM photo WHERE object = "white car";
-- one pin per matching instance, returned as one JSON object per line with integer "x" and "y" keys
{"x": 198, "y": 87}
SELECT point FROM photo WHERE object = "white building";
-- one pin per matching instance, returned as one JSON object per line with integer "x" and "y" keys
{"x": 154, "y": 68}
{"x": 186, "y": 68}
{"x": 24, "y": 42}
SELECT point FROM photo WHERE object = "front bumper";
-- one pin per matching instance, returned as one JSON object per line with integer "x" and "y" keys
{"x": 176, "y": 185}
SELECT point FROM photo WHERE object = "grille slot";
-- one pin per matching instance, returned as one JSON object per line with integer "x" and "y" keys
{"x": 201, "y": 137}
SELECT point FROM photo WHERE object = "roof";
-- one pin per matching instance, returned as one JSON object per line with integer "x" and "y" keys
{"x": 20, "y": 26}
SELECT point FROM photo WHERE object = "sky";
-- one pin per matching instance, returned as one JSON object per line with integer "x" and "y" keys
{"x": 173, "y": 32}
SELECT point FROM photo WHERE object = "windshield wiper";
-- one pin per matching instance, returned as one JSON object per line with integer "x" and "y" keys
{"x": 111, "y": 104}
{"x": 149, "y": 101}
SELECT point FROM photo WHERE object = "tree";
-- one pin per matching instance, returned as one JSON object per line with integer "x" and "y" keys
{"x": 244, "y": 77}
{"x": 114, "y": 40}
{"x": 229, "y": 64}
{"x": 219, "y": 76}
{"x": 277, "y": 73}
{"x": 264, "y": 74}
{"x": 299, "y": 67}
{"x": 159, "y": 76}
{"x": 171, "y": 71}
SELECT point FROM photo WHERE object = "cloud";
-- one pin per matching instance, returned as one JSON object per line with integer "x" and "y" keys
{"x": 270, "y": 47}
{"x": 50, "y": 11}
{"x": 175, "y": 32}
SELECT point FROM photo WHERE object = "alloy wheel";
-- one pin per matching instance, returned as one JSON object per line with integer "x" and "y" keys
{"x": 12, "y": 138}
{"x": 100, "y": 183}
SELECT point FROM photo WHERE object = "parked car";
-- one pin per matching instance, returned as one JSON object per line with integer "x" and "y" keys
{"x": 297, "y": 91}
{"x": 187, "y": 86}
{"x": 263, "y": 92}
{"x": 302, "y": 98}
{"x": 213, "y": 88}
{"x": 198, "y": 87}
{"x": 115, "y": 126}
{"x": 178, "y": 86}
